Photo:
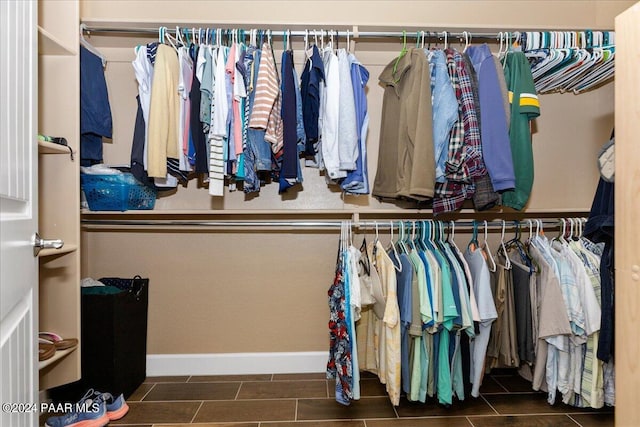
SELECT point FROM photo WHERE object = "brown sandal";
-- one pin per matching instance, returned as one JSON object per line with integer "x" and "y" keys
{"x": 58, "y": 342}
{"x": 46, "y": 351}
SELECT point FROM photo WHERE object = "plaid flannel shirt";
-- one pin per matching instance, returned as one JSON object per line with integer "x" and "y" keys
{"x": 464, "y": 160}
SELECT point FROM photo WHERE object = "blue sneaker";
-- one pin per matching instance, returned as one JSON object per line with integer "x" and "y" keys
{"x": 86, "y": 413}
{"x": 116, "y": 408}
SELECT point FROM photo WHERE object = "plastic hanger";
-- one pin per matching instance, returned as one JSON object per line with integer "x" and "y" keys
{"x": 364, "y": 258}
{"x": 412, "y": 242}
{"x": 402, "y": 238}
{"x": 179, "y": 39}
{"x": 452, "y": 235}
{"x": 474, "y": 236}
{"x": 398, "y": 267}
{"x": 485, "y": 247}
{"x": 168, "y": 38}
{"x": 403, "y": 52}
{"x": 501, "y": 40}
{"x": 89, "y": 46}
{"x": 467, "y": 40}
{"x": 507, "y": 264}
{"x": 572, "y": 227}
{"x": 422, "y": 41}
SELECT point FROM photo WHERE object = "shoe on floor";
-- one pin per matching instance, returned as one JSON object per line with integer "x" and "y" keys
{"x": 91, "y": 413}
{"x": 116, "y": 407}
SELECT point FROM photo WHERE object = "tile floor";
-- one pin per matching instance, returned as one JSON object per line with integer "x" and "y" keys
{"x": 306, "y": 400}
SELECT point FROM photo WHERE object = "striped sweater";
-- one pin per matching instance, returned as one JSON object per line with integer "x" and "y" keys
{"x": 267, "y": 104}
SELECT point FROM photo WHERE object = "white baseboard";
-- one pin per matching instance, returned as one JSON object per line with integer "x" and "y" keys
{"x": 236, "y": 363}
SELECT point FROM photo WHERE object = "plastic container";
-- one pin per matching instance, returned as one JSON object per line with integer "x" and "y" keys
{"x": 119, "y": 192}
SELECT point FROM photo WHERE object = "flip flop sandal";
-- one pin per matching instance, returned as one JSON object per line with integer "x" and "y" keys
{"x": 59, "y": 342}
{"x": 45, "y": 351}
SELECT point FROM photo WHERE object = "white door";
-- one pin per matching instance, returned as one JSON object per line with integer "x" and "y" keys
{"x": 18, "y": 212}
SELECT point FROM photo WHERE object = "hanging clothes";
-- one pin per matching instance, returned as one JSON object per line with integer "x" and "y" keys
{"x": 95, "y": 117}
{"x": 496, "y": 148}
{"x": 289, "y": 171}
{"x": 464, "y": 162}
{"x": 525, "y": 106}
{"x": 163, "y": 112}
{"x": 406, "y": 170}
{"x": 339, "y": 366}
{"x": 312, "y": 76}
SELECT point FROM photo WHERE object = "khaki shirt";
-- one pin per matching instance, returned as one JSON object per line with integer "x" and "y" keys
{"x": 406, "y": 164}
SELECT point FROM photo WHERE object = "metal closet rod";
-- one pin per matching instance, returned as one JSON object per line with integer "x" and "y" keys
{"x": 353, "y": 34}
{"x": 362, "y": 224}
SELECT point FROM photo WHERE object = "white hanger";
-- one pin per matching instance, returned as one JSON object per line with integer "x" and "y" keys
{"x": 306, "y": 40}
{"x": 375, "y": 224}
{"x": 507, "y": 264}
{"x": 485, "y": 247}
{"x": 179, "y": 36}
{"x": 395, "y": 252}
{"x": 89, "y": 47}
{"x": 167, "y": 38}
{"x": 413, "y": 236}
{"x": 467, "y": 40}
{"x": 530, "y": 229}
{"x": 452, "y": 235}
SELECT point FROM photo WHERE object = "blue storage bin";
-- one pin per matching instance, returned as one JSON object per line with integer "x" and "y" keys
{"x": 119, "y": 192}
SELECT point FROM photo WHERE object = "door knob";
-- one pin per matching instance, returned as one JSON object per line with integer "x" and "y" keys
{"x": 39, "y": 243}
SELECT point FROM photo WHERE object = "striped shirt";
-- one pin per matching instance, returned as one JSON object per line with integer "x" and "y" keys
{"x": 267, "y": 104}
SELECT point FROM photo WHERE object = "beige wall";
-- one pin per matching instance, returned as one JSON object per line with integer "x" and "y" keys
{"x": 215, "y": 292}
{"x": 471, "y": 14}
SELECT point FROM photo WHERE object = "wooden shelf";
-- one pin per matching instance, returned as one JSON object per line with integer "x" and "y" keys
{"x": 48, "y": 44}
{"x": 63, "y": 250}
{"x": 60, "y": 354}
{"x": 45, "y": 147}
{"x": 343, "y": 213}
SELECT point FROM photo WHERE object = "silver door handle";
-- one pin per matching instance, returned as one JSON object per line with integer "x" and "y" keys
{"x": 39, "y": 243}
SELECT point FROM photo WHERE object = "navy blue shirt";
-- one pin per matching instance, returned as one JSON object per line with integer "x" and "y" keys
{"x": 600, "y": 229}
{"x": 289, "y": 172}
{"x": 312, "y": 75}
{"x": 95, "y": 111}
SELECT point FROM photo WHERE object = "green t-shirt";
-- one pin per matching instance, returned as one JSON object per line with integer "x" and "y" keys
{"x": 525, "y": 106}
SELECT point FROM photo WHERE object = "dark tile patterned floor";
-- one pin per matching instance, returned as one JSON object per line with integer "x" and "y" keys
{"x": 307, "y": 400}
